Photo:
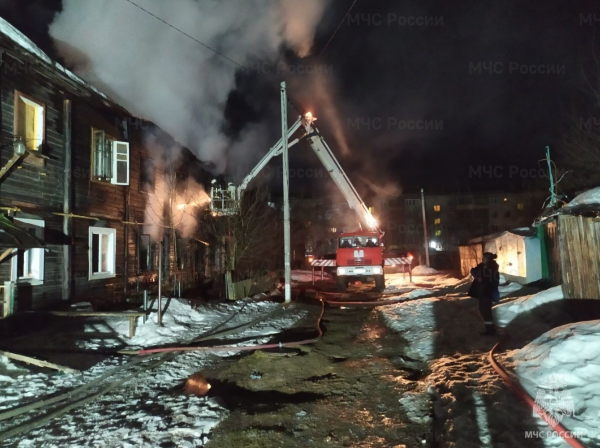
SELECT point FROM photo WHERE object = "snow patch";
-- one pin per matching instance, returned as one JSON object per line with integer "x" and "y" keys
{"x": 565, "y": 363}
{"x": 505, "y": 313}
{"x": 588, "y": 197}
{"x": 424, "y": 270}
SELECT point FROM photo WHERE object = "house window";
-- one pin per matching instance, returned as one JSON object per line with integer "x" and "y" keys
{"x": 493, "y": 200}
{"x": 30, "y": 125}
{"x": 438, "y": 221}
{"x": 411, "y": 202}
{"x": 494, "y": 214}
{"x": 494, "y": 227}
{"x": 147, "y": 253}
{"x": 507, "y": 214}
{"x": 102, "y": 252}
{"x": 28, "y": 265}
{"x": 437, "y": 208}
{"x": 521, "y": 206}
{"x": 110, "y": 159}
{"x": 333, "y": 230}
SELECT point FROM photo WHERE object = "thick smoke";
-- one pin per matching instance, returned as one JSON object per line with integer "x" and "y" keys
{"x": 160, "y": 74}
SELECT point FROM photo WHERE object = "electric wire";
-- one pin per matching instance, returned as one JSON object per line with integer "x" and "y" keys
{"x": 186, "y": 34}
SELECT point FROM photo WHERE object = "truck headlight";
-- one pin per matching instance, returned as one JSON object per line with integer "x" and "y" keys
{"x": 377, "y": 270}
{"x": 341, "y": 271}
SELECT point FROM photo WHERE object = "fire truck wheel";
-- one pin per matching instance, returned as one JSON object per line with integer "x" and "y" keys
{"x": 379, "y": 283}
{"x": 342, "y": 283}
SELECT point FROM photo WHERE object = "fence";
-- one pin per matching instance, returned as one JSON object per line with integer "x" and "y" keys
{"x": 579, "y": 240}
{"x": 470, "y": 257}
{"x": 248, "y": 287}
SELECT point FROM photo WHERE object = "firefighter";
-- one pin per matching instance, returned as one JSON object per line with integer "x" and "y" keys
{"x": 486, "y": 278}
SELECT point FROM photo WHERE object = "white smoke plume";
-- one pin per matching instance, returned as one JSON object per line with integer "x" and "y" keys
{"x": 171, "y": 203}
{"x": 159, "y": 74}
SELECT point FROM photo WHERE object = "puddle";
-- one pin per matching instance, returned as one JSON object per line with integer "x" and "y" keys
{"x": 257, "y": 402}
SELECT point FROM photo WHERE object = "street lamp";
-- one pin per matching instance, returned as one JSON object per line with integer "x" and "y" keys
{"x": 19, "y": 147}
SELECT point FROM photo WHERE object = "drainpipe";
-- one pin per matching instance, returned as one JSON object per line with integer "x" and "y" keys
{"x": 66, "y": 266}
{"x": 126, "y": 227}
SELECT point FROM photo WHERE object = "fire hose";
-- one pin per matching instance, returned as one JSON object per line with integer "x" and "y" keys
{"x": 513, "y": 385}
{"x": 517, "y": 389}
{"x": 76, "y": 400}
{"x": 228, "y": 348}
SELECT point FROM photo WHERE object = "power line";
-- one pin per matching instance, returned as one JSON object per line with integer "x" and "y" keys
{"x": 185, "y": 34}
{"x": 337, "y": 29}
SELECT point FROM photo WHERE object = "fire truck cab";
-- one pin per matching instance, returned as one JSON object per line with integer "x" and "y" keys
{"x": 359, "y": 256}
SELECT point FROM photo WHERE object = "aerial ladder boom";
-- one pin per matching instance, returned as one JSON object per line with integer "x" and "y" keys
{"x": 325, "y": 155}
{"x": 226, "y": 201}
{"x": 274, "y": 151}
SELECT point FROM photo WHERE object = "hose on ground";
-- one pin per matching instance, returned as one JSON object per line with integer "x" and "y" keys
{"x": 228, "y": 348}
{"x": 14, "y": 412}
{"x": 516, "y": 388}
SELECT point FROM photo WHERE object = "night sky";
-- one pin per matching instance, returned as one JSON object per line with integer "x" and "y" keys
{"x": 477, "y": 73}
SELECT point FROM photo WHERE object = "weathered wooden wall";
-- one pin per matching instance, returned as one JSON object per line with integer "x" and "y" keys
{"x": 553, "y": 252}
{"x": 579, "y": 240}
{"x": 37, "y": 190}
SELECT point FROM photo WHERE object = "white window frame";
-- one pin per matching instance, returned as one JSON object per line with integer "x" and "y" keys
{"x": 120, "y": 155}
{"x": 111, "y": 256}
{"x": 28, "y": 253}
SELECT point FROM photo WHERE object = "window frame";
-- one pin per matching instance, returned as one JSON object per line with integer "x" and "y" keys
{"x": 113, "y": 158}
{"x": 28, "y": 99}
{"x": 14, "y": 268}
{"x": 112, "y": 248}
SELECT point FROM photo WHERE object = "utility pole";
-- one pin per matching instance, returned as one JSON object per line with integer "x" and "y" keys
{"x": 160, "y": 250}
{"x": 426, "y": 244}
{"x": 286, "y": 195}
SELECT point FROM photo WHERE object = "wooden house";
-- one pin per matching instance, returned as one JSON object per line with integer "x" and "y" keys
{"x": 75, "y": 175}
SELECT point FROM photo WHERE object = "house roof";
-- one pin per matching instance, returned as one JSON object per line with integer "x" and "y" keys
{"x": 526, "y": 232}
{"x": 25, "y": 43}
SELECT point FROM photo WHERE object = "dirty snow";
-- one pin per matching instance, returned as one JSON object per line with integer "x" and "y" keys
{"x": 304, "y": 276}
{"x": 151, "y": 409}
{"x": 564, "y": 364}
{"x": 424, "y": 270}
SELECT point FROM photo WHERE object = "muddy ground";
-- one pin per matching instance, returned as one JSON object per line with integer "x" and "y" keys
{"x": 344, "y": 390}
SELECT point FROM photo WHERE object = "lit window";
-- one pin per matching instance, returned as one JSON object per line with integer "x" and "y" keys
{"x": 437, "y": 208}
{"x": 521, "y": 206}
{"x": 333, "y": 230}
{"x": 102, "y": 252}
{"x": 28, "y": 265}
{"x": 29, "y": 125}
{"x": 110, "y": 159}
{"x": 438, "y": 232}
{"x": 438, "y": 220}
